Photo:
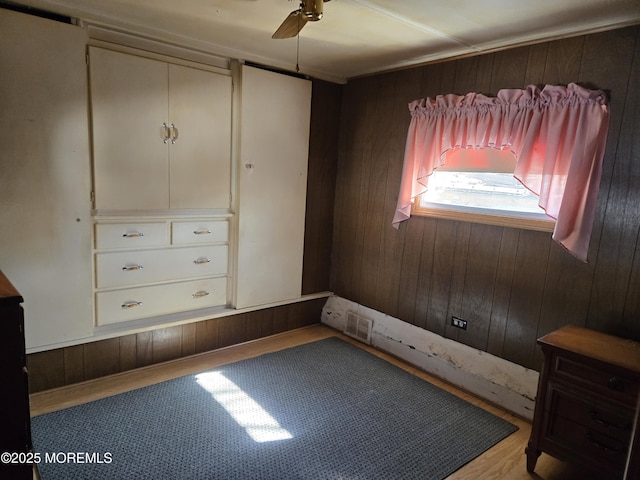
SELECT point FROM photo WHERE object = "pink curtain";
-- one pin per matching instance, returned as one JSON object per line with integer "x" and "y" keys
{"x": 557, "y": 135}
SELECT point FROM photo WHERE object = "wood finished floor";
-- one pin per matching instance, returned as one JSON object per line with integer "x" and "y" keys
{"x": 505, "y": 461}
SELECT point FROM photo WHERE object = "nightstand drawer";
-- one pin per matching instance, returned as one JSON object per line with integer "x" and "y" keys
{"x": 119, "y": 269}
{"x": 143, "y": 302}
{"x": 605, "y": 451}
{"x": 131, "y": 235}
{"x": 601, "y": 380}
{"x": 592, "y": 414}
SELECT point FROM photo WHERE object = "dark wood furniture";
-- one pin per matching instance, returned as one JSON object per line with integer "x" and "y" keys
{"x": 15, "y": 424}
{"x": 586, "y": 402}
{"x": 632, "y": 471}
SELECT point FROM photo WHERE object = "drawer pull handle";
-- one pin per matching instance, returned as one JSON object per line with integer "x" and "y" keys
{"x": 133, "y": 235}
{"x": 596, "y": 418}
{"x": 132, "y": 268}
{"x": 204, "y": 231}
{"x": 131, "y": 304}
{"x": 602, "y": 446}
{"x": 616, "y": 384}
{"x": 200, "y": 294}
{"x": 201, "y": 260}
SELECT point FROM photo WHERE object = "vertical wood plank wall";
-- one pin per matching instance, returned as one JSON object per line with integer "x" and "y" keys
{"x": 64, "y": 366}
{"x": 68, "y": 365}
{"x": 326, "y": 100}
{"x": 511, "y": 285}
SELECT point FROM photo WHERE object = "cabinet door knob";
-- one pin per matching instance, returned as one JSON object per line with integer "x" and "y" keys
{"x": 616, "y": 384}
{"x": 133, "y": 234}
{"x": 174, "y": 133}
{"x": 166, "y": 133}
{"x": 204, "y": 231}
{"x": 200, "y": 294}
{"x": 201, "y": 260}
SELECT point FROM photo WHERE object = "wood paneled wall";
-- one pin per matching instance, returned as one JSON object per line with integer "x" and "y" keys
{"x": 68, "y": 365}
{"x": 511, "y": 285}
{"x": 64, "y": 366}
{"x": 326, "y": 101}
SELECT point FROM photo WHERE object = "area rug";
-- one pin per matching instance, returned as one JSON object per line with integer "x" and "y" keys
{"x": 323, "y": 410}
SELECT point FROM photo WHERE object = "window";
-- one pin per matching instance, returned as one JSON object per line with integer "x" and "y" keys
{"x": 557, "y": 133}
{"x": 478, "y": 185}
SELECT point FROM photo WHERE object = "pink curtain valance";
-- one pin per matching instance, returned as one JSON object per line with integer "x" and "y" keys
{"x": 557, "y": 135}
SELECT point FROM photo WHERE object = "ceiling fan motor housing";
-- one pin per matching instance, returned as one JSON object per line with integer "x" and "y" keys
{"x": 312, "y": 9}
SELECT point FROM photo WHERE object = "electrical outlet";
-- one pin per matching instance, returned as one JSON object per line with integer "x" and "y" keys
{"x": 459, "y": 323}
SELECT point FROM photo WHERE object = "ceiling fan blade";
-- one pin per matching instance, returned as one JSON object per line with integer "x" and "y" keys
{"x": 291, "y": 25}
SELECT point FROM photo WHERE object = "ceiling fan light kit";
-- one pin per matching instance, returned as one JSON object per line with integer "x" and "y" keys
{"x": 309, "y": 11}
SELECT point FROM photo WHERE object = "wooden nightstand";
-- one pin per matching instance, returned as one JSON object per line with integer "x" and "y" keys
{"x": 586, "y": 402}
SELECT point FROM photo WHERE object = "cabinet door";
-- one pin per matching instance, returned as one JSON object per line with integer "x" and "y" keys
{"x": 129, "y": 106}
{"x": 200, "y": 158}
{"x": 274, "y": 148}
{"x": 45, "y": 179}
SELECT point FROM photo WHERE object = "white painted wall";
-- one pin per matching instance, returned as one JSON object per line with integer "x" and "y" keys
{"x": 503, "y": 383}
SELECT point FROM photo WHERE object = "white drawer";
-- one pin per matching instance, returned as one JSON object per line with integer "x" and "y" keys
{"x": 131, "y": 235}
{"x": 142, "y": 302}
{"x": 119, "y": 269}
{"x": 209, "y": 231}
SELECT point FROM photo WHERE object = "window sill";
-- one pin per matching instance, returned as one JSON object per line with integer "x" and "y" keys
{"x": 487, "y": 217}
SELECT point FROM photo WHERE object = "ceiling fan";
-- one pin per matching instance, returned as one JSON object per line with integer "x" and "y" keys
{"x": 309, "y": 11}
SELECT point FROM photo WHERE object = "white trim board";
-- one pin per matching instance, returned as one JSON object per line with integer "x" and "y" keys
{"x": 503, "y": 383}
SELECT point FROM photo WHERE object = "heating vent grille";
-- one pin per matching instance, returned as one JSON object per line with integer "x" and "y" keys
{"x": 358, "y": 327}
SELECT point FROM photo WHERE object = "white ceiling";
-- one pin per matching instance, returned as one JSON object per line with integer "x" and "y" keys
{"x": 355, "y": 37}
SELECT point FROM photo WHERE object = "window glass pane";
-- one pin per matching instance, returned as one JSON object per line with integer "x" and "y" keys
{"x": 477, "y": 185}
{"x": 485, "y": 190}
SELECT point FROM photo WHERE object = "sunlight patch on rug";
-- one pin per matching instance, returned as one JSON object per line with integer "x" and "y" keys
{"x": 247, "y": 413}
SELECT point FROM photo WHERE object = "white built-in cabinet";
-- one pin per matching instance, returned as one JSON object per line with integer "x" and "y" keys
{"x": 274, "y": 146}
{"x": 162, "y": 185}
{"x": 161, "y": 133}
{"x": 132, "y": 195}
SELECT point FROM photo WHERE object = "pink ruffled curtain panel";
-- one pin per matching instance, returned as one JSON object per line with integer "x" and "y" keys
{"x": 557, "y": 135}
